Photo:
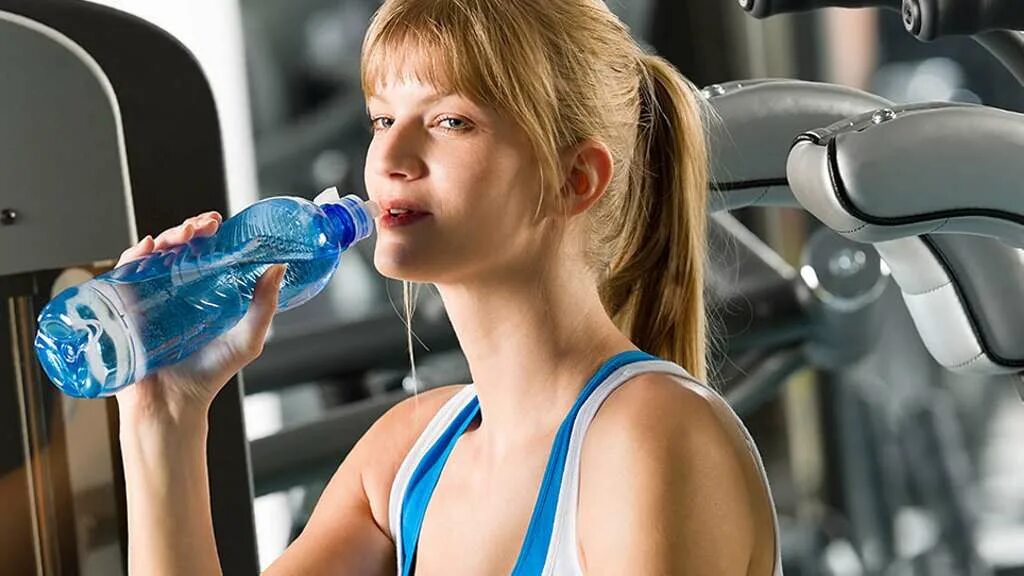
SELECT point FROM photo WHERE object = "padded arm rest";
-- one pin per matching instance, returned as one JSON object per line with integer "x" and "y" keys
{"x": 937, "y": 189}
{"x": 759, "y": 119}
{"x": 913, "y": 170}
{"x": 964, "y": 294}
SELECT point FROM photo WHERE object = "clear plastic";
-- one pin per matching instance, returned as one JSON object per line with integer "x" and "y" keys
{"x": 98, "y": 337}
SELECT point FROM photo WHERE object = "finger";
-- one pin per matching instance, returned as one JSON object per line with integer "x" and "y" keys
{"x": 206, "y": 226}
{"x": 188, "y": 229}
{"x": 180, "y": 234}
{"x": 144, "y": 247}
{"x": 261, "y": 312}
{"x": 206, "y": 219}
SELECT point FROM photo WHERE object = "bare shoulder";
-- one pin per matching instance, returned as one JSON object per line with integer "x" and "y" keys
{"x": 666, "y": 465}
{"x": 667, "y": 419}
{"x": 379, "y": 454}
{"x": 397, "y": 430}
{"x": 657, "y": 405}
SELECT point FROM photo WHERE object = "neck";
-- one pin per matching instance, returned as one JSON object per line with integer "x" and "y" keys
{"x": 531, "y": 347}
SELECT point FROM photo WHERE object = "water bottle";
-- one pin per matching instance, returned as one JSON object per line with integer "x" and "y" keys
{"x": 100, "y": 336}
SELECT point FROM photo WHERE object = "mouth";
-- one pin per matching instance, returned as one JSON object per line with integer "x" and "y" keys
{"x": 398, "y": 217}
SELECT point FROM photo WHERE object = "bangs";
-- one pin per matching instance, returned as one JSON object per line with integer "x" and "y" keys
{"x": 479, "y": 49}
{"x": 433, "y": 49}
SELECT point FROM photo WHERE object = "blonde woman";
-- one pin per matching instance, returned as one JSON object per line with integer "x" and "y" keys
{"x": 549, "y": 178}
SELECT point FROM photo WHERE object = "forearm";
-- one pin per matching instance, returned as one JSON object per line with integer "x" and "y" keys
{"x": 170, "y": 527}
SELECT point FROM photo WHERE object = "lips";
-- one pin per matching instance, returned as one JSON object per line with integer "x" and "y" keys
{"x": 390, "y": 220}
{"x": 396, "y": 212}
{"x": 389, "y": 204}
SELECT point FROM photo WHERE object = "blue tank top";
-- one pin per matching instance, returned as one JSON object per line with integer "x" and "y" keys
{"x": 549, "y": 546}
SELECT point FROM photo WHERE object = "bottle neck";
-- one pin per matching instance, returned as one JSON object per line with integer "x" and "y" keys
{"x": 350, "y": 216}
{"x": 342, "y": 227}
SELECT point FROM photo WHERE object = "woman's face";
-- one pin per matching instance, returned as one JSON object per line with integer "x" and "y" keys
{"x": 469, "y": 174}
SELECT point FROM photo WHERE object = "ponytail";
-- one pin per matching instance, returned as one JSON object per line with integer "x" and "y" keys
{"x": 654, "y": 289}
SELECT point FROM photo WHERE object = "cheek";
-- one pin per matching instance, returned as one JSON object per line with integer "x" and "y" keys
{"x": 499, "y": 224}
{"x": 368, "y": 172}
{"x": 490, "y": 202}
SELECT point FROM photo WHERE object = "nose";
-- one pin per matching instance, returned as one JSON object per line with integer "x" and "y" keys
{"x": 396, "y": 154}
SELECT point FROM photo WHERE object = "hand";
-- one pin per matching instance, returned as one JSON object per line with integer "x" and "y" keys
{"x": 191, "y": 385}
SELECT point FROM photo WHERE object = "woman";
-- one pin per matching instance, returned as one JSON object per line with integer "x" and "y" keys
{"x": 554, "y": 180}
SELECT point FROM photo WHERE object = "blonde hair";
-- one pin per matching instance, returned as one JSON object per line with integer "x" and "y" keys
{"x": 567, "y": 71}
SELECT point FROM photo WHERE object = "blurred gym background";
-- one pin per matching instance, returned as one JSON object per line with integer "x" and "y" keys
{"x": 890, "y": 465}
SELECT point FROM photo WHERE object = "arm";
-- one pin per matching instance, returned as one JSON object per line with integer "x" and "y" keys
{"x": 163, "y": 430}
{"x": 665, "y": 488}
{"x": 163, "y": 437}
{"x": 169, "y": 522}
{"x": 342, "y": 533}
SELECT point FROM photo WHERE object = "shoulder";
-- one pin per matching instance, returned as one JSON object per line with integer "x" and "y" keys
{"x": 381, "y": 451}
{"x": 349, "y": 526}
{"x": 665, "y": 465}
{"x": 394, "y": 433}
{"x": 651, "y": 409}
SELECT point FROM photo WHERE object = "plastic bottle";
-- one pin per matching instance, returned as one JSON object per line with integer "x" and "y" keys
{"x": 100, "y": 336}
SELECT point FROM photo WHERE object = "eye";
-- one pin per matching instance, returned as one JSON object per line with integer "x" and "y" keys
{"x": 379, "y": 123}
{"x": 453, "y": 124}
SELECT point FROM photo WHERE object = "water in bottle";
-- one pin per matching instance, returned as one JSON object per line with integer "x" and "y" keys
{"x": 111, "y": 331}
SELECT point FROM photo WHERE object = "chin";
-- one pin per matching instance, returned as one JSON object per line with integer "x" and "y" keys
{"x": 401, "y": 268}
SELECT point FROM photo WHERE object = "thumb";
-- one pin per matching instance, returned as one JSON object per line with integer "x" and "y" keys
{"x": 264, "y": 305}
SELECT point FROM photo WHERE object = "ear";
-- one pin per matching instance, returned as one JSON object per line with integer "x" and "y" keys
{"x": 589, "y": 173}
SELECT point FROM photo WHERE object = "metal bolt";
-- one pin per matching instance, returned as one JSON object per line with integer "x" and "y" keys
{"x": 8, "y": 216}
{"x": 883, "y": 115}
{"x": 912, "y": 16}
{"x": 713, "y": 90}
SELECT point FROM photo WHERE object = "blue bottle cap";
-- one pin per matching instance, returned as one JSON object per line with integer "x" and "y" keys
{"x": 362, "y": 212}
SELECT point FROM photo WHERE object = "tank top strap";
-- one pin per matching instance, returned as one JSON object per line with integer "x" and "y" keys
{"x": 420, "y": 470}
{"x": 537, "y": 543}
{"x": 563, "y": 555}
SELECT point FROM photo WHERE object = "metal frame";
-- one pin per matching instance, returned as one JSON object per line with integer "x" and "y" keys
{"x": 173, "y": 151}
